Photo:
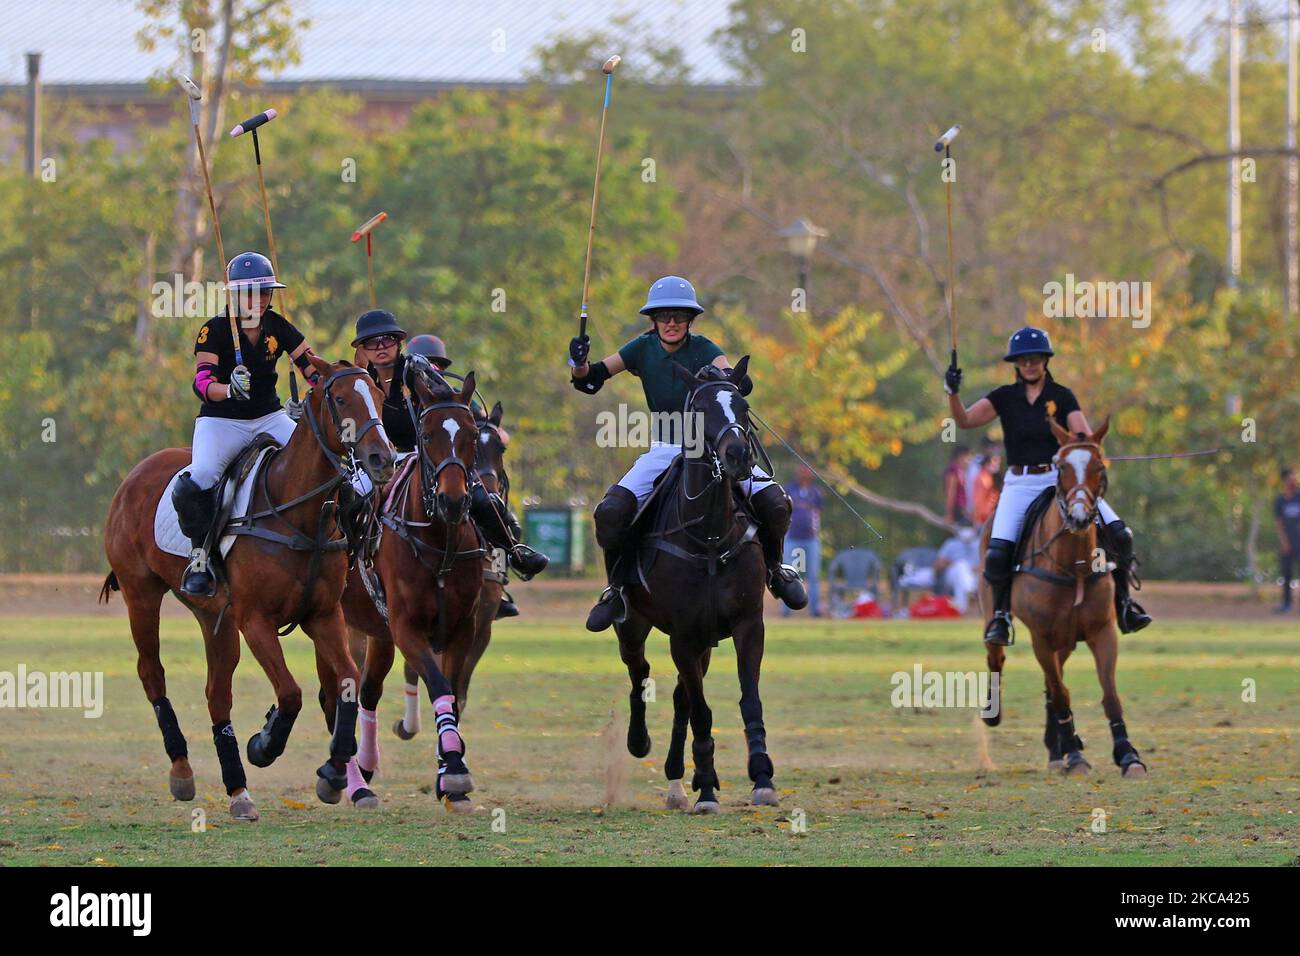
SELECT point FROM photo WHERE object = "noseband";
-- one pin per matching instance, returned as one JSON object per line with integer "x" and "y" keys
{"x": 1089, "y": 497}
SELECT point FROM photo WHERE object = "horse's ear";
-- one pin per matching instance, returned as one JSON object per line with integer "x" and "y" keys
{"x": 742, "y": 366}
{"x": 680, "y": 371}
{"x": 1063, "y": 437}
{"x": 319, "y": 364}
{"x": 467, "y": 392}
{"x": 497, "y": 412}
{"x": 1100, "y": 433}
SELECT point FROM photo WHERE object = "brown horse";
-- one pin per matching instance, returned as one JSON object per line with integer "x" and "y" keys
{"x": 270, "y": 583}
{"x": 1064, "y": 594}
{"x": 430, "y": 563}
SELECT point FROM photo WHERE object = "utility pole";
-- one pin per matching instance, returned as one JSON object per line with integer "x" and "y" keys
{"x": 1292, "y": 164}
{"x": 1234, "y": 143}
{"x": 33, "y": 113}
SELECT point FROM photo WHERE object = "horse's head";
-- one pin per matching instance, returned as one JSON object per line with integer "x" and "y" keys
{"x": 345, "y": 412}
{"x": 721, "y": 415}
{"x": 447, "y": 439}
{"x": 1080, "y": 475}
{"x": 492, "y": 443}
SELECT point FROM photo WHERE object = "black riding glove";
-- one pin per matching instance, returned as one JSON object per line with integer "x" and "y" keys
{"x": 952, "y": 379}
{"x": 579, "y": 349}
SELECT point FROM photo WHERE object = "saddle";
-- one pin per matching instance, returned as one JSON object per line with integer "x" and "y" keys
{"x": 1033, "y": 515}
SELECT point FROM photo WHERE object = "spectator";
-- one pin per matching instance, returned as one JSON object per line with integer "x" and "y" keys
{"x": 955, "y": 565}
{"x": 802, "y": 543}
{"x": 955, "y": 503}
{"x": 1286, "y": 511}
{"x": 976, "y": 464}
{"x": 984, "y": 501}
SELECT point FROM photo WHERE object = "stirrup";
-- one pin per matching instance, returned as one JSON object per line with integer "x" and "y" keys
{"x": 197, "y": 579}
{"x": 1132, "y": 617}
{"x": 994, "y": 635}
{"x": 525, "y": 561}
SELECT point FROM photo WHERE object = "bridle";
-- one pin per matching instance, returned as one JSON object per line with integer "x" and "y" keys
{"x": 318, "y": 433}
{"x": 502, "y": 480}
{"x": 1090, "y": 498}
{"x": 745, "y": 432}
{"x": 429, "y": 472}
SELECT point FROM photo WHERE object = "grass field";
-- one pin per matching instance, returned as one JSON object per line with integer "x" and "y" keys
{"x": 872, "y": 783}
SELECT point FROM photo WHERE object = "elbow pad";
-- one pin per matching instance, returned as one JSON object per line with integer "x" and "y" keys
{"x": 304, "y": 364}
{"x": 204, "y": 377}
{"x": 596, "y": 377}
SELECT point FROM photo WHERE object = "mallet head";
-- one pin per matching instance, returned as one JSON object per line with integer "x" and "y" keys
{"x": 253, "y": 122}
{"x": 611, "y": 64}
{"x": 369, "y": 224}
{"x": 188, "y": 86}
{"x": 947, "y": 138}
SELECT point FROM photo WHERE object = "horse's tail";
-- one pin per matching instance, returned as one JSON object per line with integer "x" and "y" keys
{"x": 110, "y": 584}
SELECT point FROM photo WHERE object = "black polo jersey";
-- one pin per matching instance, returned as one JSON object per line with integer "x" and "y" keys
{"x": 278, "y": 336}
{"x": 397, "y": 420}
{"x": 1025, "y": 431}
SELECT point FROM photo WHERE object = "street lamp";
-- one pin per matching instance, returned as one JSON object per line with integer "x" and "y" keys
{"x": 801, "y": 239}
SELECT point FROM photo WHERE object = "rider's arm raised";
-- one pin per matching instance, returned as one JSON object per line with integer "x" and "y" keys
{"x": 978, "y": 415}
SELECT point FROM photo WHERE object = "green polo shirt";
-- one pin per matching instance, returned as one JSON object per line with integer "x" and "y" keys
{"x": 645, "y": 358}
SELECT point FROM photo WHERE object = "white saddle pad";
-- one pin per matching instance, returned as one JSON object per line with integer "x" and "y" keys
{"x": 167, "y": 530}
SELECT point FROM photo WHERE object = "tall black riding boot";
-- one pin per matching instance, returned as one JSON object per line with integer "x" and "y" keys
{"x": 195, "y": 509}
{"x": 1128, "y": 612}
{"x": 613, "y": 518}
{"x": 493, "y": 519}
{"x": 997, "y": 572}
{"x": 772, "y": 509}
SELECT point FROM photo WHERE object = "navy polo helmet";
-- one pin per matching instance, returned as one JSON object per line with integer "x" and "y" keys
{"x": 1028, "y": 341}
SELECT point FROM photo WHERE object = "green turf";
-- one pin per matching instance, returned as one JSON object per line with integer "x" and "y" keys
{"x": 871, "y": 783}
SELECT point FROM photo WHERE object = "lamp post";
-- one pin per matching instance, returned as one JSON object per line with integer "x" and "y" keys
{"x": 801, "y": 240}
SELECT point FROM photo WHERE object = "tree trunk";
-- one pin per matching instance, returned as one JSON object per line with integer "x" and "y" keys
{"x": 144, "y": 315}
{"x": 1252, "y": 549}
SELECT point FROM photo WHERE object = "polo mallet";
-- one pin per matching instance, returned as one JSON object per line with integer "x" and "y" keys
{"x": 250, "y": 125}
{"x": 608, "y": 69}
{"x": 945, "y": 145}
{"x": 195, "y": 97}
{"x": 365, "y": 229}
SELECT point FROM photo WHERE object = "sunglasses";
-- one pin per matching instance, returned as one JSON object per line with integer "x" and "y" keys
{"x": 380, "y": 342}
{"x": 673, "y": 318}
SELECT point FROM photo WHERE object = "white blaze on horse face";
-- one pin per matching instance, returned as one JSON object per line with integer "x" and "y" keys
{"x": 724, "y": 401}
{"x": 1078, "y": 459}
{"x": 363, "y": 389}
{"x": 451, "y": 427}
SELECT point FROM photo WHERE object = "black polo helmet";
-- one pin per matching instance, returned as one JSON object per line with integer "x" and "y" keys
{"x": 377, "y": 322}
{"x": 431, "y": 347}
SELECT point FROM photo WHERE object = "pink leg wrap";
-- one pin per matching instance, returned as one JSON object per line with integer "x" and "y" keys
{"x": 368, "y": 751}
{"x": 355, "y": 780}
{"x": 444, "y": 709}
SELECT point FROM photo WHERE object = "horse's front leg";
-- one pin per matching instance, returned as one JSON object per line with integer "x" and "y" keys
{"x": 690, "y": 671}
{"x": 222, "y": 647}
{"x": 340, "y": 683}
{"x": 675, "y": 764}
{"x": 1058, "y": 702}
{"x": 1105, "y": 652}
{"x": 748, "y": 639}
{"x": 991, "y": 712}
{"x": 453, "y": 775}
{"x": 631, "y": 648}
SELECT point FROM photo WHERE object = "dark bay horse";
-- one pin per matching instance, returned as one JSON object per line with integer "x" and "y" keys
{"x": 703, "y": 581}
{"x": 1064, "y": 594}
{"x": 430, "y": 563}
{"x": 270, "y": 584}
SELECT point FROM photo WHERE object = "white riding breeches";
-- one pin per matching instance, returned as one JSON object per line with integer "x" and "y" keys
{"x": 217, "y": 441}
{"x": 640, "y": 478}
{"x": 1019, "y": 492}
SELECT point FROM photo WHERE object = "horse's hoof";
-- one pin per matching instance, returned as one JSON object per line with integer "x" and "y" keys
{"x": 326, "y": 792}
{"x": 242, "y": 808}
{"x": 182, "y": 788}
{"x": 677, "y": 796}
{"x": 458, "y": 803}
{"x": 638, "y": 746}
{"x": 705, "y": 806}
{"x": 1134, "y": 771}
{"x": 1056, "y": 764}
{"x": 764, "y": 797}
{"x": 1077, "y": 768}
{"x": 402, "y": 733}
{"x": 365, "y": 799}
{"x": 456, "y": 783}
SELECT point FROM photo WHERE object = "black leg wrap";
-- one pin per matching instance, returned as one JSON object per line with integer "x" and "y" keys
{"x": 1051, "y": 738}
{"x": 1068, "y": 740}
{"x": 675, "y": 764}
{"x": 703, "y": 753}
{"x": 343, "y": 745}
{"x": 760, "y": 767}
{"x": 232, "y": 770}
{"x": 173, "y": 739}
{"x": 1123, "y": 753}
{"x": 269, "y": 742}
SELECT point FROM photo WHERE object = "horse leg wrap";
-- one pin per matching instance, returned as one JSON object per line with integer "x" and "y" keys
{"x": 449, "y": 739}
{"x": 232, "y": 770}
{"x": 268, "y": 743}
{"x": 760, "y": 764}
{"x": 703, "y": 753}
{"x": 368, "y": 753}
{"x": 1124, "y": 753}
{"x": 1051, "y": 739}
{"x": 1069, "y": 740}
{"x": 343, "y": 745}
{"x": 173, "y": 739}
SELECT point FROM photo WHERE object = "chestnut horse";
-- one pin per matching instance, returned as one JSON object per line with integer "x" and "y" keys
{"x": 270, "y": 584}
{"x": 430, "y": 563}
{"x": 1064, "y": 593}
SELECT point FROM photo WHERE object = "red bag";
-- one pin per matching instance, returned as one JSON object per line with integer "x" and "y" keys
{"x": 931, "y": 606}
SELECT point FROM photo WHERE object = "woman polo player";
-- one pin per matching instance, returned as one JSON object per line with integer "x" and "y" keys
{"x": 1023, "y": 408}
{"x": 671, "y": 307}
{"x": 239, "y": 401}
